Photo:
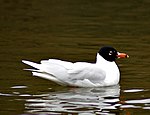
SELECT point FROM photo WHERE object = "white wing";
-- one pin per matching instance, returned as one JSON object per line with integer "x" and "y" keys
{"x": 86, "y": 75}
{"x": 67, "y": 73}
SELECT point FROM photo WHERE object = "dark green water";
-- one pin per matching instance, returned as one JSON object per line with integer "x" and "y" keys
{"x": 73, "y": 31}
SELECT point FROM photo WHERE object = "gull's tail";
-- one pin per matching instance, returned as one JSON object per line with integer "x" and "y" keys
{"x": 38, "y": 71}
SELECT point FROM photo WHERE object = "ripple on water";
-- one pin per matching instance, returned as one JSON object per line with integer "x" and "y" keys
{"x": 82, "y": 100}
{"x": 18, "y": 87}
{"x": 86, "y": 100}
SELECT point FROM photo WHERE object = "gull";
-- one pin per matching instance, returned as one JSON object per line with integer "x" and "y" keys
{"x": 104, "y": 72}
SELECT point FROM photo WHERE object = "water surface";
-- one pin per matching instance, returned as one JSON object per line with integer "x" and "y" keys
{"x": 73, "y": 31}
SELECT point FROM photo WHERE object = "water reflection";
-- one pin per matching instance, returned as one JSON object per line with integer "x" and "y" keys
{"x": 106, "y": 100}
{"x": 73, "y": 30}
{"x": 76, "y": 100}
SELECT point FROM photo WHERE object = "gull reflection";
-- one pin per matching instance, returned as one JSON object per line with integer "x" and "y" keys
{"x": 76, "y": 100}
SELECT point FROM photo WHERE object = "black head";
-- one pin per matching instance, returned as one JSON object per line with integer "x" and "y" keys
{"x": 108, "y": 53}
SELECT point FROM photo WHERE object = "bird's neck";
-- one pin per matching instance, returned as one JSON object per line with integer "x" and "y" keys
{"x": 101, "y": 60}
{"x": 111, "y": 69}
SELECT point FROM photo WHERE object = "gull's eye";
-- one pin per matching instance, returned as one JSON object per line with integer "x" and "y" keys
{"x": 110, "y": 53}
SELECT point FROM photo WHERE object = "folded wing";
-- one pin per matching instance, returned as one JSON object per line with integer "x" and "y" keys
{"x": 86, "y": 75}
{"x": 66, "y": 73}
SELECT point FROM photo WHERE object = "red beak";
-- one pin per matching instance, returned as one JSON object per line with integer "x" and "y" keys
{"x": 122, "y": 55}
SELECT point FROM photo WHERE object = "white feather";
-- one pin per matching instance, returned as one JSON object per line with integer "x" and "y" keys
{"x": 80, "y": 74}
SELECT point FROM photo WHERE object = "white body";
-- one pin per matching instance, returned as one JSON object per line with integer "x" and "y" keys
{"x": 80, "y": 74}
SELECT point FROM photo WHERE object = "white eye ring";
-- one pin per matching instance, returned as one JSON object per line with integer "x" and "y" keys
{"x": 110, "y": 53}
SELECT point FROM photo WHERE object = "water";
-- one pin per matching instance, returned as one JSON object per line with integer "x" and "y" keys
{"x": 73, "y": 31}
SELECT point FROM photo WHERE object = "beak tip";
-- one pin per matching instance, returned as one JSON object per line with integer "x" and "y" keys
{"x": 127, "y": 56}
